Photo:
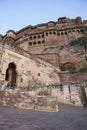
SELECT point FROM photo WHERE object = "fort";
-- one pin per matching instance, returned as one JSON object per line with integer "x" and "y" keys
{"x": 32, "y": 62}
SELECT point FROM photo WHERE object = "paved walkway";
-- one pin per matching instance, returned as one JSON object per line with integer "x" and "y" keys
{"x": 68, "y": 118}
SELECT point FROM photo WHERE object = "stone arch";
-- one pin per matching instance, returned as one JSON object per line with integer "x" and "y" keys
{"x": 78, "y": 30}
{"x": 61, "y": 33}
{"x": 11, "y": 74}
{"x": 39, "y": 36}
{"x": 58, "y": 33}
{"x": 66, "y": 33}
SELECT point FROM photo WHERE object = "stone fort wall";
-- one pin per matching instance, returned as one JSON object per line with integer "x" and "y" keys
{"x": 39, "y": 37}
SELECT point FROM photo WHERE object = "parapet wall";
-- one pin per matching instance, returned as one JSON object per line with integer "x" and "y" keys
{"x": 70, "y": 93}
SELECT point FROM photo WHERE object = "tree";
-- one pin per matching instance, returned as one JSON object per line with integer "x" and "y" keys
{"x": 82, "y": 41}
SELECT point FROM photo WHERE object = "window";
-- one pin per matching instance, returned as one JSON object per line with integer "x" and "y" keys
{"x": 39, "y": 42}
{"x": 34, "y": 43}
{"x": 34, "y": 37}
{"x": 54, "y": 33}
{"x": 81, "y": 30}
{"x": 30, "y": 43}
{"x": 58, "y": 33}
{"x": 69, "y": 32}
{"x": 43, "y": 41}
{"x": 39, "y": 74}
{"x": 73, "y": 30}
{"x": 38, "y": 36}
{"x": 50, "y": 32}
{"x": 42, "y": 36}
{"x": 65, "y": 33}
{"x": 61, "y": 33}
{"x": 30, "y": 38}
{"x": 78, "y": 31}
{"x": 46, "y": 34}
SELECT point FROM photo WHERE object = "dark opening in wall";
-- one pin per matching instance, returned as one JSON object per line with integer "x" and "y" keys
{"x": 30, "y": 43}
{"x": 54, "y": 33}
{"x": 43, "y": 41}
{"x": 73, "y": 30}
{"x": 65, "y": 33}
{"x": 39, "y": 74}
{"x": 46, "y": 34}
{"x": 34, "y": 37}
{"x": 42, "y": 36}
{"x": 11, "y": 74}
{"x": 50, "y": 32}
{"x": 21, "y": 80}
{"x": 39, "y": 42}
{"x": 78, "y": 31}
{"x": 34, "y": 43}
{"x": 58, "y": 33}
{"x": 61, "y": 33}
{"x": 81, "y": 30}
{"x": 39, "y": 36}
{"x": 30, "y": 38}
{"x": 69, "y": 31}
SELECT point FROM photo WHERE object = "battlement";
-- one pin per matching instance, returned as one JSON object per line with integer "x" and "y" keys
{"x": 35, "y": 39}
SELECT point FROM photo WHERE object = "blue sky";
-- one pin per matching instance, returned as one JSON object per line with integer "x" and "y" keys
{"x": 16, "y": 14}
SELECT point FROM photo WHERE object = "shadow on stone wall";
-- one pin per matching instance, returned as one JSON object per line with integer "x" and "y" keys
{"x": 83, "y": 97}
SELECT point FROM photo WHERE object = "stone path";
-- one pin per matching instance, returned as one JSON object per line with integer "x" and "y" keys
{"x": 68, "y": 118}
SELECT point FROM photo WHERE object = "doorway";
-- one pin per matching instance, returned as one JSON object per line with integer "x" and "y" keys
{"x": 11, "y": 74}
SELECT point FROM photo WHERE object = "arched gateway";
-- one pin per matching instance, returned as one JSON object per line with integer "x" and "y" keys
{"x": 11, "y": 74}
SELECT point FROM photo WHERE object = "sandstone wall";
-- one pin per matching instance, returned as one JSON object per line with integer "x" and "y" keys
{"x": 50, "y": 58}
{"x": 29, "y": 68}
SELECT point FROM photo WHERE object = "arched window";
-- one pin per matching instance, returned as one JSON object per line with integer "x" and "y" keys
{"x": 73, "y": 30}
{"x": 39, "y": 42}
{"x": 30, "y": 38}
{"x": 30, "y": 43}
{"x": 34, "y": 43}
{"x": 43, "y": 41}
{"x": 58, "y": 33}
{"x": 69, "y": 31}
{"x": 38, "y": 36}
{"x": 81, "y": 30}
{"x": 65, "y": 33}
{"x": 46, "y": 34}
{"x": 42, "y": 36}
{"x": 61, "y": 33}
{"x": 78, "y": 31}
{"x": 34, "y": 37}
{"x": 50, "y": 32}
{"x": 54, "y": 33}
